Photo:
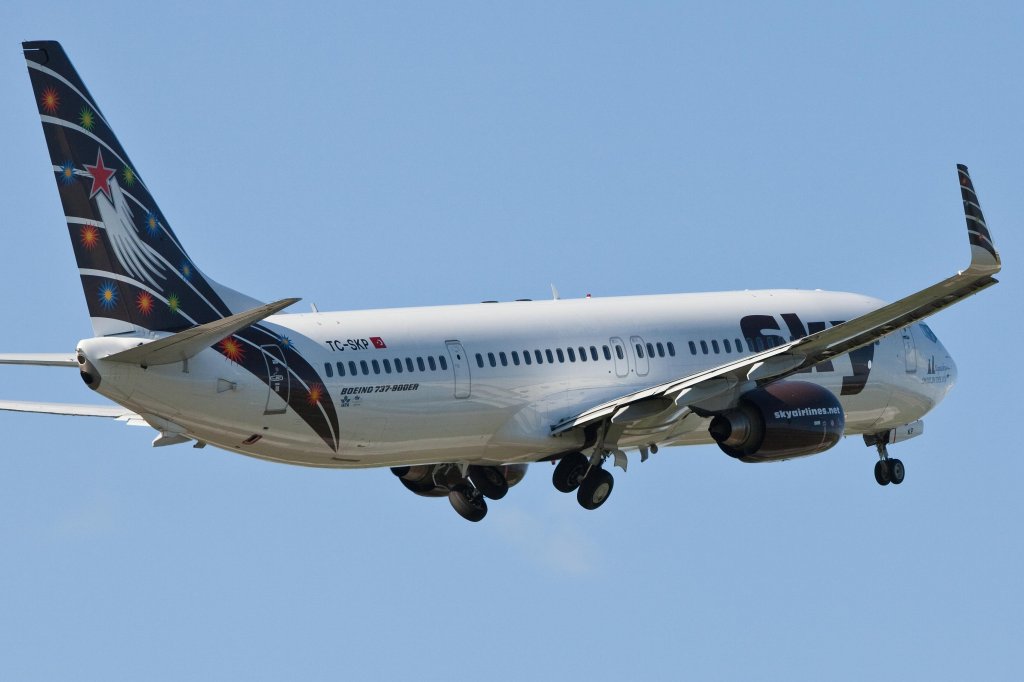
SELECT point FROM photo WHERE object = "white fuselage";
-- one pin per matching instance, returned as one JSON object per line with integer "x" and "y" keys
{"x": 476, "y": 398}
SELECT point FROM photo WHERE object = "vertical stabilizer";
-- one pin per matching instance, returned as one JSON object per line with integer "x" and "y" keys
{"x": 135, "y": 273}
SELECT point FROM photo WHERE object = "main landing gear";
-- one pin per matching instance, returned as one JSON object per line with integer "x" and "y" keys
{"x": 467, "y": 487}
{"x": 887, "y": 470}
{"x": 468, "y": 496}
{"x": 592, "y": 483}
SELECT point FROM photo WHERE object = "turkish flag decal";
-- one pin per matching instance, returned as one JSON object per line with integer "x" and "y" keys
{"x": 378, "y": 342}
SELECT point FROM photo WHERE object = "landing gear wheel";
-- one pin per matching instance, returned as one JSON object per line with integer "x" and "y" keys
{"x": 489, "y": 481}
{"x": 468, "y": 502}
{"x": 595, "y": 489}
{"x": 882, "y": 472}
{"x": 896, "y": 471}
{"x": 570, "y": 472}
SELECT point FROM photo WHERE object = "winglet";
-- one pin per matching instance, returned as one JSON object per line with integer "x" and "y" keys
{"x": 983, "y": 252}
{"x": 183, "y": 345}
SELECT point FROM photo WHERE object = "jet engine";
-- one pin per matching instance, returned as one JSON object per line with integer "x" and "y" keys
{"x": 436, "y": 480}
{"x": 780, "y": 421}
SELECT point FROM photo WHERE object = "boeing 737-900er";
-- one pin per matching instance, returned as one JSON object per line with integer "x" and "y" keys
{"x": 458, "y": 400}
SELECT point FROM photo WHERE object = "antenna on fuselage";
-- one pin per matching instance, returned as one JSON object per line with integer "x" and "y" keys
{"x": 554, "y": 293}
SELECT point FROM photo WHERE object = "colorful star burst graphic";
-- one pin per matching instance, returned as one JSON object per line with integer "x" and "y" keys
{"x": 66, "y": 174}
{"x": 87, "y": 118}
{"x": 151, "y": 223}
{"x": 144, "y": 302}
{"x": 232, "y": 349}
{"x": 128, "y": 175}
{"x": 108, "y": 295}
{"x": 50, "y": 100}
{"x": 186, "y": 270}
{"x": 173, "y": 303}
{"x": 89, "y": 237}
{"x": 316, "y": 392}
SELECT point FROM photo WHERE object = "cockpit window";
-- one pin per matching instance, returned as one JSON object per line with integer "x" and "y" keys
{"x": 928, "y": 332}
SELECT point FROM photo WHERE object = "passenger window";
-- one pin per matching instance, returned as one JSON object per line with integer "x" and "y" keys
{"x": 398, "y": 365}
{"x": 639, "y": 351}
{"x": 693, "y": 348}
{"x": 540, "y": 358}
{"x": 479, "y": 360}
{"x": 661, "y": 350}
{"x": 526, "y": 357}
{"x": 583, "y": 354}
{"x": 327, "y": 368}
{"x": 607, "y": 352}
{"x": 341, "y": 369}
{"x": 760, "y": 344}
{"x": 364, "y": 366}
{"x": 408, "y": 365}
{"x": 376, "y": 367}
{"x": 515, "y": 358}
{"x": 491, "y": 360}
{"x": 430, "y": 361}
{"x": 728, "y": 346}
{"x": 593, "y": 353}
{"x": 650, "y": 349}
{"x": 572, "y": 354}
{"x": 442, "y": 362}
{"x": 621, "y": 354}
{"x": 503, "y": 358}
{"x": 704, "y": 347}
{"x": 387, "y": 366}
{"x": 561, "y": 355}
{"x": 551, "y": 357}
{"x": 352, "y": 367}
{"x": 671, "y": 349}
{"x": 739, "y": 346}
{"x": 419, "y": 363}
{"x": 714, "y": 346}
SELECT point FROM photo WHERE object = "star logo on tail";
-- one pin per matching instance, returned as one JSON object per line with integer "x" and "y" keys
{"x": 100, "y": 175}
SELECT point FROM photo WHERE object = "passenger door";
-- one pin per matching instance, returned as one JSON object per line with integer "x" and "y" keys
{"x": 460, "y": 367}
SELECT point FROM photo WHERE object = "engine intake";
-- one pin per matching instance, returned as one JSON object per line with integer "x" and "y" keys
{"x": 779, "y": 421}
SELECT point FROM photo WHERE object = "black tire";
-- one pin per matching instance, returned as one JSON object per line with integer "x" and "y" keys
{"x": 570, "y": 472}
{"x": 595, "y": 489}
{"x": 896, "y": 471}
{"x": 882, "y": 472}
{"x": 489, "y": 481}
{"x": 469, "y": 503}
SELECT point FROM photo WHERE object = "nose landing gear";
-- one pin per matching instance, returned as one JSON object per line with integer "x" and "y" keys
{"x": 887, "y": 470}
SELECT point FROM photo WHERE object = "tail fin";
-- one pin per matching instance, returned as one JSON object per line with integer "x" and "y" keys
{"x": 135, "y": 273}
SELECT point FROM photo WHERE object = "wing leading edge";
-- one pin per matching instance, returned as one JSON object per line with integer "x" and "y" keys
{"x": 787, "y": 359}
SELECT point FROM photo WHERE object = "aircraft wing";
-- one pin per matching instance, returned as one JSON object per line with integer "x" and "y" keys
{"x": 670, "y": 400}
{"x": 109, "y": 411}
{"x": 44, "y": 359}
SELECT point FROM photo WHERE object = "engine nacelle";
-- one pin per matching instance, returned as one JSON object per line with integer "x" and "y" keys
{"x": 780, "y": 421}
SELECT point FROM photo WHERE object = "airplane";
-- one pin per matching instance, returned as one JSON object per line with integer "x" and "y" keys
{"x": 459, "y": 400}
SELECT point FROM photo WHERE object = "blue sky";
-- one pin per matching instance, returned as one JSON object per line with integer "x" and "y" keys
{"x": 379, "y": 155}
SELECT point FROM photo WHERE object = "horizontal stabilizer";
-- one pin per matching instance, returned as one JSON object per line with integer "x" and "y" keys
{"x": 44, "y": 359}
{"x": 183, "y": 345}
{"x": 109, "y": 411}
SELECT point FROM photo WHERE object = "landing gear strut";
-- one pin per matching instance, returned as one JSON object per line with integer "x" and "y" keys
{"x": 887, "y": 470}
